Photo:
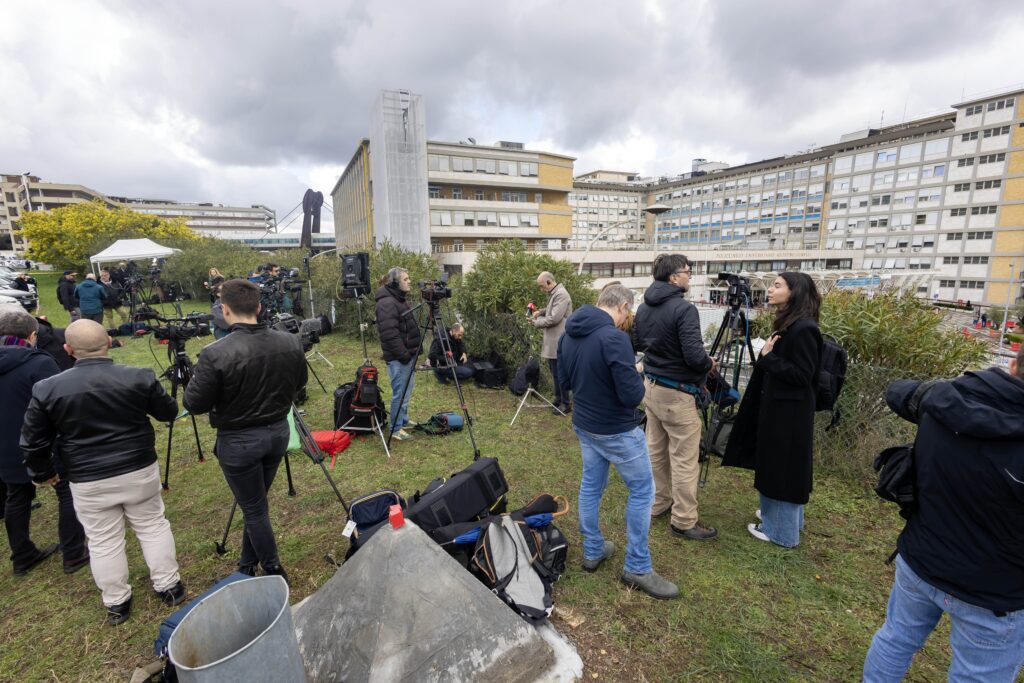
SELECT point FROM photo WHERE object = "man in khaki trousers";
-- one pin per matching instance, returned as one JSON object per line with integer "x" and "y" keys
{"x": 96, "y": 417}
{"x": 667, "y": 330}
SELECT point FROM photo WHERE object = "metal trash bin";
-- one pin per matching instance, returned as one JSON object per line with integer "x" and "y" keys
{"x": 243, "y": 633}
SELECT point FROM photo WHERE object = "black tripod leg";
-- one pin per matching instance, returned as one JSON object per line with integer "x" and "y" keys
{"x": 222, "y": 547}
{"x": 310, "y": 366}
{"x": 167, "y": 465}
{"x": 288, "y": 473}
{"x": 195, "y": 430}
{"x": 334, "y": 486}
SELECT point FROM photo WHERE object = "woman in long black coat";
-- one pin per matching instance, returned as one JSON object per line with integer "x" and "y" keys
{"x": 774, "y": 429}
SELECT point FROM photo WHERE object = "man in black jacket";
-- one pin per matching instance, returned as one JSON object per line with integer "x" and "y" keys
{"x": 667, "y": 330}
{"x": 21, "y": 366}
{"x": 962, "y": 550}
{"x": 400, "y": 343}
{"x": 248, "y": 381}
{"x": 459, "y": 366}
{"x": 97, "y": 414}
{"x": 66, "y": 294}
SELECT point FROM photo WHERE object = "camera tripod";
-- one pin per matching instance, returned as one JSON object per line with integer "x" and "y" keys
{"x": 530, "y": 391}
{"x": 730, "y": 346}
{"x": 179, "y": 373}
{"x": 313, "y": 451}
{"x": 365, "y": 410}
{"x": 434, "y": 319}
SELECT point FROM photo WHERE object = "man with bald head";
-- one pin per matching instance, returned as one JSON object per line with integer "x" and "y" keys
{"x": 552, "y": 319}
{"x": 97, "y": 416}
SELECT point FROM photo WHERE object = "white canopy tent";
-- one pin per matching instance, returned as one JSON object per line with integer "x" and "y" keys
{"x": 127, "y": 250}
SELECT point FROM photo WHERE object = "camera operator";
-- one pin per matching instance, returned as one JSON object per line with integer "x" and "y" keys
{"x": 97, "y": 414}
{"x": 458, "y": 364}
{"x": 113, "y": 299}
{"x": 667, "y": 330}
{"x": 66, "y": 294}
{"x": 22, "y": 365}
{"x": 121, "y": 274}
{"x": 247, "y": 382}
{"x": 399, "y": 341}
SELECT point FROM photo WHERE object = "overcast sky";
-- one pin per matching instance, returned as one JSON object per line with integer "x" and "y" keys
{"x": 252, "y": 102}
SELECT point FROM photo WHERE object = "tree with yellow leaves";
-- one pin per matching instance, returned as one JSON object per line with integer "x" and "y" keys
{"x": 68, "y": 236}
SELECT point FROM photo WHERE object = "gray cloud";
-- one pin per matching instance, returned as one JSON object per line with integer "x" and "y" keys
{"x": 244, "y": 102}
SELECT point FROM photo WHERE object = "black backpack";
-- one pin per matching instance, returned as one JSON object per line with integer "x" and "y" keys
{"x": 344, "y": 418}
{"x": 832, "y": 375}
{"x": 527, "y": 375}
{"x": 897, "y": 480}
{"x": 508, "y": 558}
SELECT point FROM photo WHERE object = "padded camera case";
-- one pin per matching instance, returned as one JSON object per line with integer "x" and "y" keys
{"x": 475, "y": 492}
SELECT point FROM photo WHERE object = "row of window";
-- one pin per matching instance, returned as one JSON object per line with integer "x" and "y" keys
{"x": 434, "y": 192}
{"x": 980, "y": 185}
{"x": 744, "y": 183}
{"x": 967, "y": 260}
{"x": 898, "y": 264}
{"x": 484, "y": 218}
{"x": 859, "y": 183}
{"x": 987, "y": 133}
{"x": 983, "y": 159}
{"x": 976, "y": 109}
{"x": 437, "y": 162}
{"x": 602, "y": 198}
{"x": 964, "y": 284}
{"x": 977, "y": 235}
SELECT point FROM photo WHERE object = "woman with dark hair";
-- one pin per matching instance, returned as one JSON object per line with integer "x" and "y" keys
{"x": 774, "y": 428}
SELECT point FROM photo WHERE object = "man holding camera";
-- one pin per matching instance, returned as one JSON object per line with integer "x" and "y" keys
{"x": 961, "y": 552}
{"x": 552, "y": 319}
{"x": 97, "y": 414}
{"x": 400, "y": 344}
{"x": 457, "y": 364}
{"x": 667, "y": 330}
{"x": 248, "y": 381}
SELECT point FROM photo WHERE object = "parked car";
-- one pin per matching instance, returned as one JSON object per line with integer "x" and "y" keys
{"x": 29, "y": 300}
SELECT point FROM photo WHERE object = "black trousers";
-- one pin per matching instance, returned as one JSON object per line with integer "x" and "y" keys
{"x": 561, "y": 395}
{"x": 249, "y": 458}
{"x": 18, "y": 514}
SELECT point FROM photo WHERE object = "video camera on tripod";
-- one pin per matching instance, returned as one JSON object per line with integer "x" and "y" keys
{"x": 175, "y": 329}
{"x": 739, "y": 289}
{"x": 432, "y": 291}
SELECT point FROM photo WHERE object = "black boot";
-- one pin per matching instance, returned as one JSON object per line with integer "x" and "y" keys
{"x": 118, "y": 614}
{"x": 277, "y": 571}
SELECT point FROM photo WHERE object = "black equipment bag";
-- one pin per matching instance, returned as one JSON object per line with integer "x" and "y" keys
{"x": 897, "y": 481}
{"x": 370, "y": 513}
{"x": 527, "y": 375}
{"x": 367, "y": 388}
{"x": 359, "y": 420}
{"x": 487, "y": 376}
{"x": 474, "y": 493}
{"x": 325, "y": 324}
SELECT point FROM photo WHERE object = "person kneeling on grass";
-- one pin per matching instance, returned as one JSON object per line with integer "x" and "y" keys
{"x": 458, "y": 364}
{"x": 97, "y": 416}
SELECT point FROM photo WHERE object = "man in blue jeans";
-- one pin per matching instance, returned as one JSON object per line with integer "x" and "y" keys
{"x": 962, "y": 550}
{"x": 596, "y": 360}
{"x": 400, "y": 344}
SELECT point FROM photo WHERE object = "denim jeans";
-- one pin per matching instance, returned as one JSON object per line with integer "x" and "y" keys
{"x": 986, "y": 648}
{"x": 782, "y": 522}
{"x": 401, "y": 374}
{"x": 628, "y": 452}
{"x": 249, "y": 458}
{"x": 464, "y": 372}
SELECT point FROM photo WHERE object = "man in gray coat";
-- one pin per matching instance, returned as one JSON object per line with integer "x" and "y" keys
{"x": 552, "y": 319}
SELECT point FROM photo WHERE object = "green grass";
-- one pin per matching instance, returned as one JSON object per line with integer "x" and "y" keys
{"x": 749, "y": 612}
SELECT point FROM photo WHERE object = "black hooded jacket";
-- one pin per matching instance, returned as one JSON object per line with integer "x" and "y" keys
{"x": 967, "y": 536}
{"x": 20, "y": 368}
{"x": 667, "y": 330}
{"x": 399, "y": 333}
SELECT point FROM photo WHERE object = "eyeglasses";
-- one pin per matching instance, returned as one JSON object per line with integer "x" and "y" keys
{"x": 683, "y": 272}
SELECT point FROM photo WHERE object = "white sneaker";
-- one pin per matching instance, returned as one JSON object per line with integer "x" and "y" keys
{"x": 757, "y": 513}
{"x": 755, "y": 531}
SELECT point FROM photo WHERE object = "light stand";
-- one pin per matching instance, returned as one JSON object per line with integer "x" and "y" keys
{"x": 530, "y": 391}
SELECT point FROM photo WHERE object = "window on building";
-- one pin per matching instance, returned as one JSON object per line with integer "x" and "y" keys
{"x": 538, "y": 197}
{"x": 961, "y": 187}
{"x": 433, "y": 192}
{"x": 988, "y": 185}
{"x": 1001, "y": 104}
{"x": 462, "y": 218}
{"x": 997, "y": 131}
{"x": 967, "y": 137}
{"x": 911, "y": 152}
{"x": 980, "y": 235}
{"x": 973, "y": 110}
{"x": 462, "y": 164}
{"x": 982, "y": 210}
{"x": 936, "y": 171}
{"x": 954, "y": 236}
{"x": 840, "y": 165}
{"x": 950, "y": 260}
{"x": 936, "y": 147}
{"x": 961, "y": 163}
{"x": 881, "y": 199}
{"x": 527, "y": 168}
{"x": 457, "y": 245}
{"x": 958, "y": 212}
{"x": 975, "y": 260}
{"x": 456, "y": 193}
{"x": 992, "y": 158}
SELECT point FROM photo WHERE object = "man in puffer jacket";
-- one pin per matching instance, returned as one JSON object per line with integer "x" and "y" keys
{"x": 400, "y": 343}
{"x": 91, "y": 295}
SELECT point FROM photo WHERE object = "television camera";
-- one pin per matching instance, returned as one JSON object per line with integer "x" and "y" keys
{"x": 175, "y": 329}
{"x": 433, "y": 291}
{"x": 739, "y": 289}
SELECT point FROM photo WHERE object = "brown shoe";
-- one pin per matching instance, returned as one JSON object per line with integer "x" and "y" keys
{"x": 659, "y": 515}
{"x": 698, "y": 532}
